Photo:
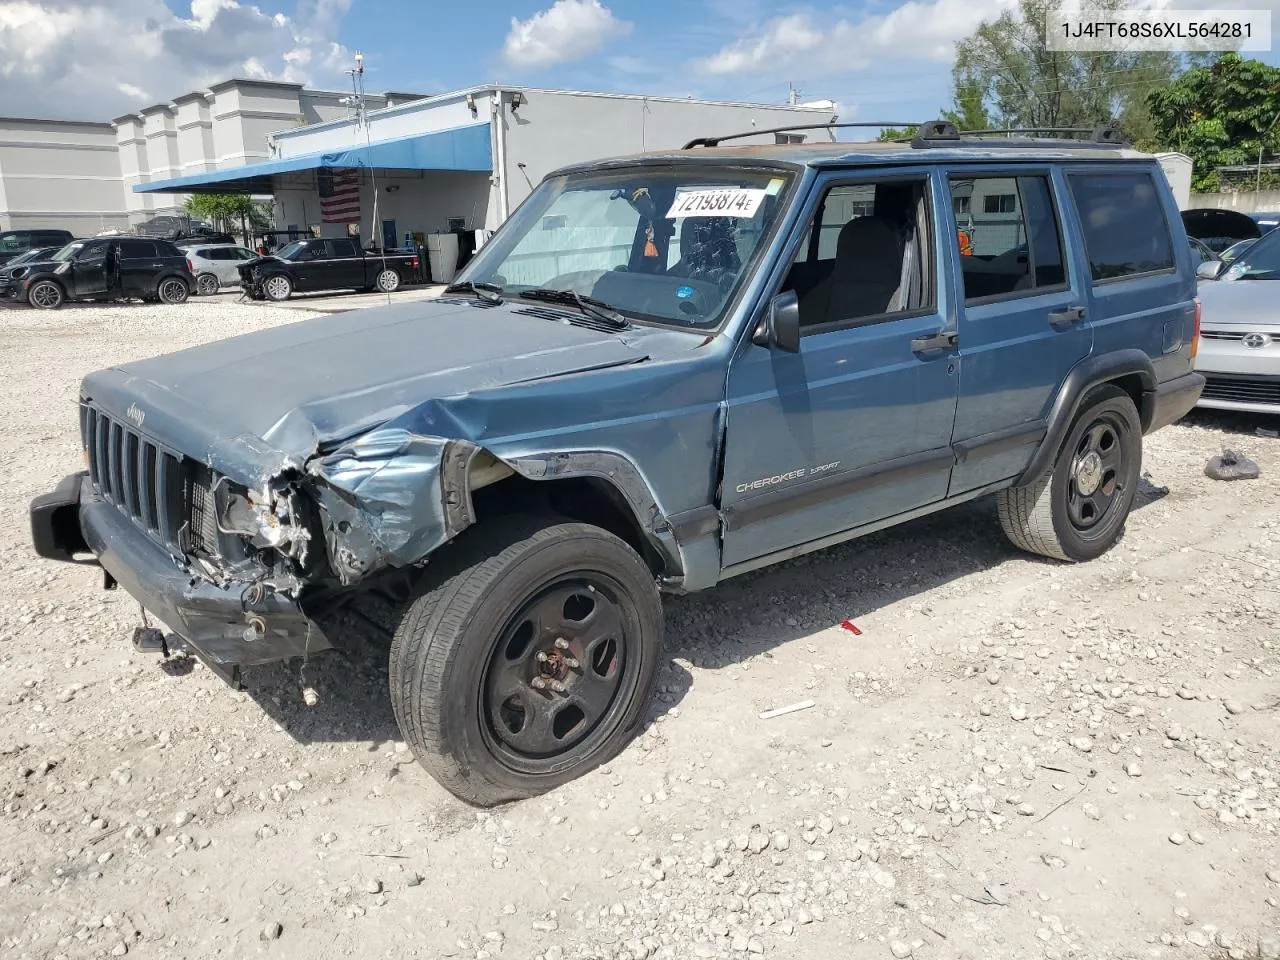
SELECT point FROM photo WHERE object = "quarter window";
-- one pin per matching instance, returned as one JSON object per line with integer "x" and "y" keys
{"x": 1015, "y": 245}
{"x": 1124, "y": 225}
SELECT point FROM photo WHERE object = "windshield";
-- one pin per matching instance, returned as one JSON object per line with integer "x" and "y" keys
{"x": 68, "y": 252}
{"x": 664, "y": 244}
{"x": 1260, "y": 261}
{"x": 289, "y": 250}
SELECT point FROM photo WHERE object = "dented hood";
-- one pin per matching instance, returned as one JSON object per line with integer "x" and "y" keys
{"x": 324, "y": 379}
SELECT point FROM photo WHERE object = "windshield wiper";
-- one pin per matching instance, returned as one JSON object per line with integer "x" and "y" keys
{"x": 488, "y": 292}
{"x": 588, "y": 305}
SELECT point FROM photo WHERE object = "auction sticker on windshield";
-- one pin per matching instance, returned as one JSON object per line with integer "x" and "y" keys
{"x": 721, "y": 202}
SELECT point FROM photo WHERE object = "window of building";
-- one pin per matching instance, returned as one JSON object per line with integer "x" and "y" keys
{"x": 1125, "y": 229}
{"x": 788, "y": 138}
{"x": 1000, "y": 203}
{"x": 1002, "y": 255}
{"x": 961, "y": 204}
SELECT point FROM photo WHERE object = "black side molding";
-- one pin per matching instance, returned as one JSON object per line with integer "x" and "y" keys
{"x": 1083, "y": 377}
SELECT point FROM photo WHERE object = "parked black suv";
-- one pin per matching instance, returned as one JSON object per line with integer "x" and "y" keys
{"x": 104, "y": 268}
{"x": 14, "y": 243}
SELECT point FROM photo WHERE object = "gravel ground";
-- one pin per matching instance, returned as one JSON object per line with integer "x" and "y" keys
{"x": 1009, "y": 759}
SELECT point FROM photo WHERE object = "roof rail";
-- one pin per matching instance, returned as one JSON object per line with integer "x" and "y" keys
{"x": 941, "y": 132}
{"x": 716, "y": 141}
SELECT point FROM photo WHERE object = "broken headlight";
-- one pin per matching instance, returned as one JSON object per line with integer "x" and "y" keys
{"x": 270, "y": 517}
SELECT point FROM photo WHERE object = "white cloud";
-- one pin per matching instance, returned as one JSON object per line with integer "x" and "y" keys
{"x": 568, "y": 30}
{"x": 56, "y": 54}
{"x": 918, "y": 29}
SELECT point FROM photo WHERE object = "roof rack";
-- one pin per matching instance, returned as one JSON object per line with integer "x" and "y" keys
{"x": 938, "y": 133}
{"x": 716, "y": 141}
{"x": 944, "y": 133}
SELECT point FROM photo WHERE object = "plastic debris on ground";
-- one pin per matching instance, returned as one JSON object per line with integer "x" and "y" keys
{"x": 1231, "y": 465}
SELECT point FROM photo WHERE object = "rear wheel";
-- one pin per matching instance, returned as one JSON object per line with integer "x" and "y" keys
{"x": 172, "y": 291}
{"x": 1078, "y": 509}
{"x": 528, "y": 661}
{"x": 45, "y": 295}
{"x": 388, "y": 281}
{"x": 206, "y": 284}
{"x": 277, "y": 287}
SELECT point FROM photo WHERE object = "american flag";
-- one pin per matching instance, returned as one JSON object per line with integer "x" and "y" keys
{"x": 339, "y": 194}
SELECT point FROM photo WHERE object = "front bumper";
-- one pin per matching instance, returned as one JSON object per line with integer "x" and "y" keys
{"x": 237, "y": 625}
{"x": 1240, "y": 377}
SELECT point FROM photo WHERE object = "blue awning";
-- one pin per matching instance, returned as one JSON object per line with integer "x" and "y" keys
{"x": 463, "y": 148}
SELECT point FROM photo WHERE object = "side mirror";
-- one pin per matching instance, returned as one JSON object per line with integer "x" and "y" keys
{"x": 1210, "y": 270}
{"x": 781, "y": 326}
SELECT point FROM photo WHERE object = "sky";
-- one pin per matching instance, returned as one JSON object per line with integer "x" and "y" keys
{"x": 880, "y": 60}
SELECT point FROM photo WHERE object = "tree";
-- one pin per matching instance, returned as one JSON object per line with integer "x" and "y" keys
{"x": 1220, "y": 114}
{"x": 225, "y": 210}
{"x": 969, "y": 112}
{"x": 1007, "y": 76}
{"x": 897, "y": 133}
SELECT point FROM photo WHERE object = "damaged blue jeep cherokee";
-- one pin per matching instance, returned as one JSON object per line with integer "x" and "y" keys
{"x": 661, "y": 372}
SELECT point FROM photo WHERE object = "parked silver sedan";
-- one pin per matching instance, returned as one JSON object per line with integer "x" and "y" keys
{"x": 216, "y": 265}
{"x": 1240, "y": 331}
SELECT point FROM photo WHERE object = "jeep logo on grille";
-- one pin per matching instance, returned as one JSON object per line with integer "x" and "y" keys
{"x": 134, "y": 414}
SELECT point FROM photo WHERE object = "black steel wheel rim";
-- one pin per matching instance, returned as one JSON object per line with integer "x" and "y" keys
{"x": 559, "y": 673}
{"x": 1097, "y": 483}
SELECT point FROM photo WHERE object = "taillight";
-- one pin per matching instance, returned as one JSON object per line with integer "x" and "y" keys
{"x": 191, "y": 267}
{"x": 1195, "y": 332}
{"x": 414, "y": 263}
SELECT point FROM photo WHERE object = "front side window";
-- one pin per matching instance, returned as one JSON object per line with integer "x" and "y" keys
{"x": 1014, "y": 245}
{"x": 661, "y": 244}
{"x": 1125, "y": 230}
{"x": 869, "y": 258}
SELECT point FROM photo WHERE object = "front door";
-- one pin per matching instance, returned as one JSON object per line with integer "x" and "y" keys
{"x": 92, "y": 269}
{"x": 856, "y": 426}
{"x": 1023, "y": 322}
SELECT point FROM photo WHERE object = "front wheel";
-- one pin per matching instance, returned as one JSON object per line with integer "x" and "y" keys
{"x": 206, "y": 284}
{"x": 388, "y": 281}
{"x": 529, "y": 659}
{"x": 45, "y": 295}
{"x": 1078, "y": 509}
{"x": 277, "y": 287}
{"x": 173, "y": 291}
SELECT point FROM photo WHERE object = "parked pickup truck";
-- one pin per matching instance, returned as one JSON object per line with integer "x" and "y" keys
{"x": 661, "y": 372}
{"x": 308, "y": 265}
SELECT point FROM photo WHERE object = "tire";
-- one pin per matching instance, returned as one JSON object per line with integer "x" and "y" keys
{"x": 527, "y": 660}
{"x": 45, "y": 295}
{"x": 172, "y": 290}
{"x": 1077, "y": 510}
{"x": 206, "y": 285}
{"x": 388, "y": 281}
{"x": 277, "y": 287}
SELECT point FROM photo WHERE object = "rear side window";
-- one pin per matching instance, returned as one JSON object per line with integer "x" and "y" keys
{"x": 1125, "y": 230}
{"x": 17, "y": 240}
{"x": 136, "y": 249}
{"x": 164, "y": 248}
{"x": 342, "y": 248}
{"x": 1008, "y": 235}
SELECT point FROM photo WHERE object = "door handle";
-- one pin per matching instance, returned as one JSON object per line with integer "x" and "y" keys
{"x": 1062, "y": 319}
{"x": 938, "y": 341}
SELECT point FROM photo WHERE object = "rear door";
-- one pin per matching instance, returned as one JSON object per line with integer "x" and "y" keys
{"x": 140, "y": 264}
{"x": 1023, "y": 321}
{"x": 346, "y": 266}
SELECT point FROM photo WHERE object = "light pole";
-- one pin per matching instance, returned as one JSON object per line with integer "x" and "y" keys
{"x": 1257, "y": 187}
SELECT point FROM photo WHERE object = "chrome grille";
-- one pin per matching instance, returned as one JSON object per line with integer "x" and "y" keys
{"x": 1236, "y": 336}
{"x": 151, "y": 486}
